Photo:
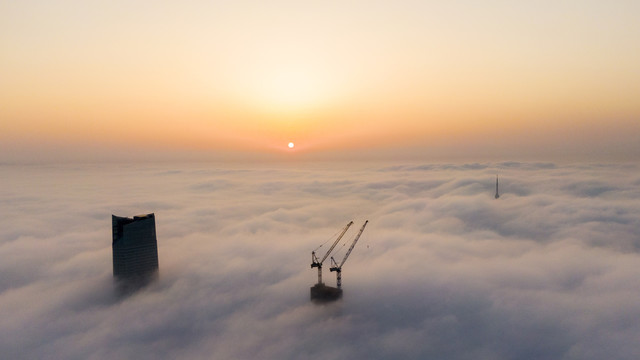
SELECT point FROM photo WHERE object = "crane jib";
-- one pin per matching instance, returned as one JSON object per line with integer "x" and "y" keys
{"x": 336, "y": 241}
{"x": 353, "y": 244}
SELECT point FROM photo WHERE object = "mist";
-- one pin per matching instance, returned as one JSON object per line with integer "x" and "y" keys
{"x": 443, "y": 270}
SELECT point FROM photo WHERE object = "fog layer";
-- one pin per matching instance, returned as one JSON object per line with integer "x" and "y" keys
{"x": 443, "y": 270}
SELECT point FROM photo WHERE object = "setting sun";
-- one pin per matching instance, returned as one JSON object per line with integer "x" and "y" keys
{"x": 395, "y": 80}
{"x": 291, "y": 145}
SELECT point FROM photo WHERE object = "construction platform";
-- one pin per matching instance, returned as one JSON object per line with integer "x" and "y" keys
{"x": 323, "y": 293}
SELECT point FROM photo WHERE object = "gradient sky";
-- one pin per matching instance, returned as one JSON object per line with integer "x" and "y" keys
{"x": 500, "y": 79}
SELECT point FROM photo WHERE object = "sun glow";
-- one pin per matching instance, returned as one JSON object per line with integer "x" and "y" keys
{"x": 291, "y": 90}
{"x": 291, "y": 145}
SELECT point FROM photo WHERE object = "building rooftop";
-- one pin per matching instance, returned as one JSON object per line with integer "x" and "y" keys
{"x": 323, "y": 293}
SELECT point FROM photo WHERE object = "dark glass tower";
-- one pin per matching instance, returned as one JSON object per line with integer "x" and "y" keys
{"x": 135, "y": 248}
{"x": 497, "y": 193}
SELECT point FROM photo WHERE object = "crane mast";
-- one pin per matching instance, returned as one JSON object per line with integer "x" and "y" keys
{"x": 338, "y": 268}
{"x": 318, "y": 263}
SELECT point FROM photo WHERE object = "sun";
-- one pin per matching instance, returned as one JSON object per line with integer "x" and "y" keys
{"x": 291, "y": 145}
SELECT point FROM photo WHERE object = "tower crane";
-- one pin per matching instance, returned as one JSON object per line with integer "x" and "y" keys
{"x": 318, "y": 263}
{"x": 338, "y": 268}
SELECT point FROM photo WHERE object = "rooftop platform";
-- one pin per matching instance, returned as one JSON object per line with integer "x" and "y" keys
{"x": 321, "y": 293}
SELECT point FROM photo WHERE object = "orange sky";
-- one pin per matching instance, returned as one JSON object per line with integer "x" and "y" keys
{"x": 464, "y": 78}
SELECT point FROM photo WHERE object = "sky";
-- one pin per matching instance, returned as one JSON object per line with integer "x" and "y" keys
{"x": 442, "y": 271}
{"x": 425, "y": 80}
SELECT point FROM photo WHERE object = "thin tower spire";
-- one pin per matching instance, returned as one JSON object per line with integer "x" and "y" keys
{"x": 497, "y": 193}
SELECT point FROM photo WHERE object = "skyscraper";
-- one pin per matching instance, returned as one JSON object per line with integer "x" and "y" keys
{"x": 135, "y": 248}
{"x": 497, "y": 193}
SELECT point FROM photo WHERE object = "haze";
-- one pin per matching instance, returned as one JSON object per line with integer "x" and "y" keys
{"x": 402, "y": 113}
{"x": 364, "y": 79}
{"x": 443, "y": 270}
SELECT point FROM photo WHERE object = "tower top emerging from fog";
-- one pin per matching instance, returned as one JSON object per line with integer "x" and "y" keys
{"x": 135, "y": 248}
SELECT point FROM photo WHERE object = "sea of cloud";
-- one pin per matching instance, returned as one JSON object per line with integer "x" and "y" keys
{"x": 550, "y": 270}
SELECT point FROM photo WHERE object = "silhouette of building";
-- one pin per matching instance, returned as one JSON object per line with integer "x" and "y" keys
{"x": 323, "y": 293}
{"x": 135, "y": 248}
{"x": 497, "y": 194}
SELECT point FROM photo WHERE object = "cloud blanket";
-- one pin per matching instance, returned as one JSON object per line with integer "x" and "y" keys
{"x": 550, "y": 270}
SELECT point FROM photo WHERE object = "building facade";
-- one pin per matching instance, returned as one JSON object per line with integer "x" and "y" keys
{"x": 135, "y": 248}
